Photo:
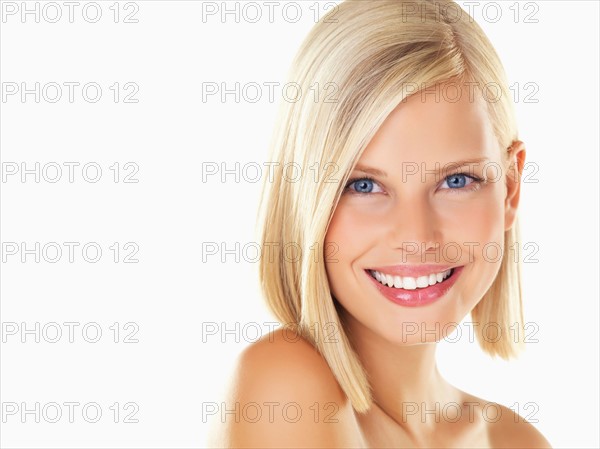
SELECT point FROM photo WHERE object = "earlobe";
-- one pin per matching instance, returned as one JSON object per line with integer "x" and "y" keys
{"x": 516, "y": 162}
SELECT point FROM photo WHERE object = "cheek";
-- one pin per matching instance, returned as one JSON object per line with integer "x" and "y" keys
{"x": 479, "y": 231}
{"x": 491, "y": 234}
{"x": 351, "y": 229}
{"x": 467, "y": 227}
{"x": 350, "y": 234}
{"x": 486, "y": 224}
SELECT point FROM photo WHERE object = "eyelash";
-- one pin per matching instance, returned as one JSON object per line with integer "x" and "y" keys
{"x": 475, "y": 185}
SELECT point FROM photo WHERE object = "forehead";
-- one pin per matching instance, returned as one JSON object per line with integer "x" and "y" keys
{"x": 440, "y": 123}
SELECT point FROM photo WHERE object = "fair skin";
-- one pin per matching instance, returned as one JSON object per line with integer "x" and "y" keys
{"x": 372, "y": 226}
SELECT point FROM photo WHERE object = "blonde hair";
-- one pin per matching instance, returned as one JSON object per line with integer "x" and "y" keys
{"x": 368, "y": 55}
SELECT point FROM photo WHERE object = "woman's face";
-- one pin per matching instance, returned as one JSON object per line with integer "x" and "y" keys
{"x": 398, "y": 218}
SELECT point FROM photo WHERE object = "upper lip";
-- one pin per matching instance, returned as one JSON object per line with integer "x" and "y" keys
{"x": 413, "y": 270}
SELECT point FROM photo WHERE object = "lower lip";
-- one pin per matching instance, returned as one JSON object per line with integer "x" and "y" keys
{"x": 420, "y": 296}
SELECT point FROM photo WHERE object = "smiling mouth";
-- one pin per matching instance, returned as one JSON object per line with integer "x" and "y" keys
{"x": 408, "y": 282}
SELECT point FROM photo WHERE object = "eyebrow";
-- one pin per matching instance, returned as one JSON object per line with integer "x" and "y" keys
{"x": 444, "y": 168}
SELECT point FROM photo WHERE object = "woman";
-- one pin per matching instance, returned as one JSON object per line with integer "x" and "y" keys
{"x": 399, "y": 226}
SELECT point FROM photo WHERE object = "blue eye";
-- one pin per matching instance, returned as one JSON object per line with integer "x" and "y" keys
{"x": 458, "y": 181}
{"x": 362, "y": 185}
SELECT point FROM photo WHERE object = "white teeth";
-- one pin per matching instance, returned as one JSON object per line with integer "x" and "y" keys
{"x": 397, "y": 282}
{"x": 390, "y": 280}
{"x": 410, "y": 283}
{"x": 423, "y": 281}
{"x": 384, "y": 279}
{"x": 432, "y": 279}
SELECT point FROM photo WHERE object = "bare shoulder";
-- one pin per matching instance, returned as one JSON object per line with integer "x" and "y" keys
{"x": 283, "y": 394}
{"x": 511, "y": 430}
{"x": 285, "y": 363}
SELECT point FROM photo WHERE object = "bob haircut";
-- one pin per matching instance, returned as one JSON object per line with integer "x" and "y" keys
{"x": 371, "y": 55}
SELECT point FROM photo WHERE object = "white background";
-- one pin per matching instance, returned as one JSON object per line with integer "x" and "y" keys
{"x": 171, "y": 295}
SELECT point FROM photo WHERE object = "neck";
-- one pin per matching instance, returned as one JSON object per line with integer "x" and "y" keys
{"x": 405, "y": 381}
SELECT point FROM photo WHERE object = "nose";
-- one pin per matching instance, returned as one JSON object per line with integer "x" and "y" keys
{"x": 414, "y": 226}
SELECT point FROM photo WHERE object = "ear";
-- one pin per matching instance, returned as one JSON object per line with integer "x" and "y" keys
{"x": 516, "y": 162}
